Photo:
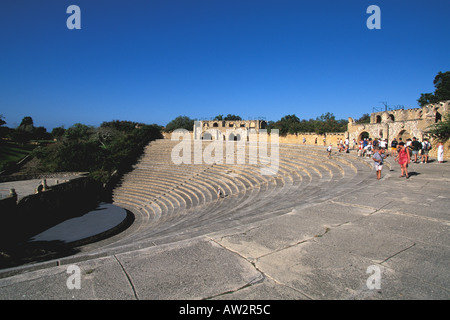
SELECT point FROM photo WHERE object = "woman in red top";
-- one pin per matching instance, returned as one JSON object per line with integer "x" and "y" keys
{"x": 403, "y": 159}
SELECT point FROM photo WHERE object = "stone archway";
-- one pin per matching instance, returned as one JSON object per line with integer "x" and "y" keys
{"x": 403, "y": 134}
{"x": 363, "y": 135}
{"x": 207, "y": 136}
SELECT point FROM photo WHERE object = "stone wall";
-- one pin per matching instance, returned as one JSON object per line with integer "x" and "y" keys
{"x": 310, "y": 138}
{"x": 402, "y": 124}
{"x": 314, "y": 139}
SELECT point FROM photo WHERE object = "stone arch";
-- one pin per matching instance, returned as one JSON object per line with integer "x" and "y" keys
{"x": 362, "y": 135}
{"x": 207, "y": 136}
{"x": 438, "y": 117}
{"x": 378, "y": 119}
{"x": 403, "y": 134}
{"x": 391, "y": 116}
{"x": 215, "y": 124}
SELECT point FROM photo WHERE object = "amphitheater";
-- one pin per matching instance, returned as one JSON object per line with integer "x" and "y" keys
{"x": 175, "y": 202}
{"x": 310, "y": 231}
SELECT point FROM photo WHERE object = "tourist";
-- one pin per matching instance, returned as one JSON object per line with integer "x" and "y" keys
{"x": 368, "y": 149}
{"x": 378, "y": 158}
{"x": 403, "y": 159}
{"x": 394, "y": 145}
{"x": 416, "y": 146}
{"x": 219, "y": 193}
{"x": 375, "y": 143}
{"x": 304, "y": 140}
{"x": 360, "y": 149}
{"x": 440, "y": 152}
{"x": 354, "y": 144}
{"x": 329, "y": 151}
{"x": 426, "y": 146}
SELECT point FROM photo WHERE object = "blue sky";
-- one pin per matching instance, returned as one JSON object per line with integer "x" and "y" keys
{"x": 151, "y": 61}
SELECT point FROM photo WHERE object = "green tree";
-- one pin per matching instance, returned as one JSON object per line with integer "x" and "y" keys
{"x": 2, "y": 128}
{"x": 26, "y": 124}
{"x": 287, "y": 124}
{"x": 180, "y": 122}
{"x": 440, "y": 130}
{"x": 231, "y": 117}
{"x": 40, "y": 133}
{"x": 442, "y": 92}
{"x": 365, "y": 118}
{"x": 79, "y": 132}
{"x": 58, "y": 132}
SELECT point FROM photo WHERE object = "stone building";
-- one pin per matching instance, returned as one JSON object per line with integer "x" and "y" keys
{"x": 234, "y": 130}
{"x": 400, "y": 123}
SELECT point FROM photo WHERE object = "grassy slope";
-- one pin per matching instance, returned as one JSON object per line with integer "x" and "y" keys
{"x": 11, "y": 152}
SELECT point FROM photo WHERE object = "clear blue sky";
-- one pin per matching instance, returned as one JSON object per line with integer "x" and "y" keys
{"x": 151, "y": 61}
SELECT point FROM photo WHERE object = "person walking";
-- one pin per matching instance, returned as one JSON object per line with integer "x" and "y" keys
{"x": 219, "y": 193}
{"x": 416, "y": 146}
{"x": 394, "y": 145}
{"x": 329, "y": 150}
{"x": 403, "y": 159}
{"x": 378, "y": 158}
{"x": 440, "y": 152}
{"x": 426, "y": 146}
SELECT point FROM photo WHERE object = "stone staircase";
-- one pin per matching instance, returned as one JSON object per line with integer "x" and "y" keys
{"x": 174, "y": 202}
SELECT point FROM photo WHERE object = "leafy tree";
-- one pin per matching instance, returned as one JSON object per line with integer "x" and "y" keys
{"x": 26, "y": 124}
{"x": 287, "y": 124}
{"x": 180, "y": 122}
{"x": 442, "y": 84}
{"x": 79, "y": 132}
{"x": 99, "y": 151}
{"x": 40, "y": 133}
{"x": 325, "y": 123}
{"x": 2, "y": 129}
{"x": 127, "y": 126}
{"x": 440, "y": 130}
{"x": 58, "y": 132}
{"x": 231, "y": 117}
{"x": 365, "y": 118}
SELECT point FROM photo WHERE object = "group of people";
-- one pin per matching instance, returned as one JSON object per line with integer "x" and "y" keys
{"x": 405, "y": 152}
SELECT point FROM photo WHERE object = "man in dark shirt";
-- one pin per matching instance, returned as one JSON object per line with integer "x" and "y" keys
{"x": 416, "y": 146}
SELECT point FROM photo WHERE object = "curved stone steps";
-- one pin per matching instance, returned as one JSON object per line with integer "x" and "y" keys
{"x": 304, "y": 175}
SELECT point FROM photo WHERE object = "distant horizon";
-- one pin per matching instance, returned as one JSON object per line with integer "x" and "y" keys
{"x": 153, "y": 61}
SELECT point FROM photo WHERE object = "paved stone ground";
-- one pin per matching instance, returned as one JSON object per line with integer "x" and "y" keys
{"x": 395, "y": 228}
{"x": 24, "y": 188}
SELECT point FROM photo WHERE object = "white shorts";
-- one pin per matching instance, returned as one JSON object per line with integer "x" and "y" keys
{"x": 378, "y": 167}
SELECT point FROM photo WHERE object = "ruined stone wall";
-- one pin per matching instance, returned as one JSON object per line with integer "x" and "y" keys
{"x": 402, "y": 124}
